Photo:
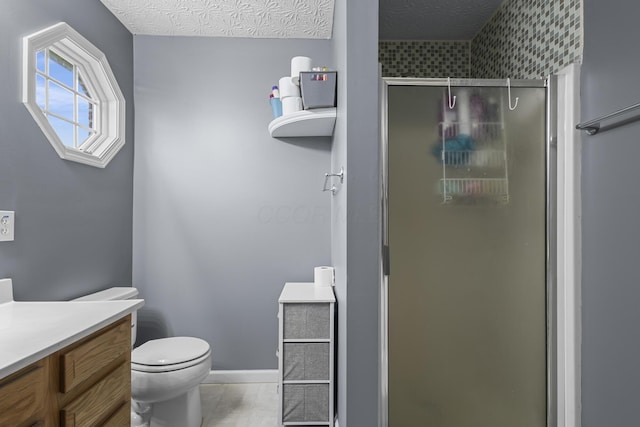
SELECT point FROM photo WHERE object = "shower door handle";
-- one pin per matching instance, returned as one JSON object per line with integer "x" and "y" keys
{"x": 386, "y": 261}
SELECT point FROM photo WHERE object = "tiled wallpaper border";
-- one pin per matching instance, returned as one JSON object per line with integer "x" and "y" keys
{"x": 525, "y": 39}
{"x": 430, "y": 58}
{"x": 528, "y": 39}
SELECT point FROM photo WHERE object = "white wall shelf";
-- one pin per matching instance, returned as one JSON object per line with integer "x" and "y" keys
{"x": 317, "y": 122}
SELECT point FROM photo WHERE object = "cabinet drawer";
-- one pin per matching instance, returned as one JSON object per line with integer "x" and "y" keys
{"x": 122, "y": 417}
{"x": 84, "y": 360}
{"x": 306, "y": 321}
{"x": 23, "y": 396}
{"x": 101, "y": 400}
{"x": 305, "y": 402}
{"x": 308, "y": 361}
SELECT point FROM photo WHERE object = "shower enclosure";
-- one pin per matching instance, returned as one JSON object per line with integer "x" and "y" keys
{"x": 465, "y": 292}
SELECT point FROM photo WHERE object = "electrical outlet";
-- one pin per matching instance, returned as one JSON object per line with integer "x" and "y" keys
{"x": 7, "y": 222}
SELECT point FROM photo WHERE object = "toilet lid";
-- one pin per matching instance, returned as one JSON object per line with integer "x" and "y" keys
{"x": 169, "y": 351}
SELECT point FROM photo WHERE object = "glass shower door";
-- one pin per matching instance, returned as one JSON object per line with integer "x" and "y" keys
{"x": 467, "y": 242}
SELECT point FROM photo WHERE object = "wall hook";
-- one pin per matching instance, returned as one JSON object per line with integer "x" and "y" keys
{"x": 451, "y": 104}
{"x": 327, "y": 177}
{"x": 517, "y": 98}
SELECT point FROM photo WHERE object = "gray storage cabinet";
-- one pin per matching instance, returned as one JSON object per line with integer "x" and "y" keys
{"x": 306, "y": 355}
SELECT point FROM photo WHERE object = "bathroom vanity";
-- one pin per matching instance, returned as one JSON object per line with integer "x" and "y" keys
{"x": 65, "y": 363}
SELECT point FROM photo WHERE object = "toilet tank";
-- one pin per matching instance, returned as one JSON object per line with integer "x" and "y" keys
{"x": 114, "y": 294}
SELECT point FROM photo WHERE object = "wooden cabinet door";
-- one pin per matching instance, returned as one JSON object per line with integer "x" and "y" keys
{"x": 23, "y": 397}
{"x": 96, "y": 405}
{"x": 86, "y": 359}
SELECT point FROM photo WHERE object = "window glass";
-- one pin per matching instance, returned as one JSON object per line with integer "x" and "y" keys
{"x": 60, "y": 69}
{"x": 83, "y": 135}
{"x": 60, "y": 101}
{"x": 40, "y": 61}
{"x": 64, "y": 129}
{"x": 64, "y": 98}
{"x": 82, "y": 87}
{"x": 41, "y": 96}
{"x": 85, "y": 112}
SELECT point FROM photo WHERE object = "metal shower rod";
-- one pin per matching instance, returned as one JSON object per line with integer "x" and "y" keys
{"x": 594, "y": 126}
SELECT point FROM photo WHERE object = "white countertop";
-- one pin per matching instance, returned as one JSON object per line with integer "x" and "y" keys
{"x": 300, "y": 292}
{"x": 30, "y": 331}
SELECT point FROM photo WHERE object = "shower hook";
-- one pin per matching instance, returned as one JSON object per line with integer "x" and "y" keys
{"x": 517, "y": 98}
{"x": 451, "y": 105}
{"x": 327, "y": 176}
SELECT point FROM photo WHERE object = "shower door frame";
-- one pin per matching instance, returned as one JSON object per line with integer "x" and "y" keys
{"x": 562, "y": 317}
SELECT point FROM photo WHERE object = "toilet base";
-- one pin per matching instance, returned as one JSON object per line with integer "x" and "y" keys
{"x": 140, "y": 414}
{"x": 184, "y": 411}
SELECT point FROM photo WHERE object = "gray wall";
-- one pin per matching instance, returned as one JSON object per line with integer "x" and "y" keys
{"x": 224, "y": 214}
{"x": 339, "y": 205}
{"x": 610, "y": 203}
{"x": 356, "y": 211}
{"x": 73, "y": 222}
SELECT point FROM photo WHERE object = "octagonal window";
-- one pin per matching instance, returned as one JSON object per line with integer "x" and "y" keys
{"x": 72, "y": 94}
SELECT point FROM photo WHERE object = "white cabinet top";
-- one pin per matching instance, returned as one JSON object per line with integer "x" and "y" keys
{"x": 306, "y": 292}
{"x": 30, "y": 331}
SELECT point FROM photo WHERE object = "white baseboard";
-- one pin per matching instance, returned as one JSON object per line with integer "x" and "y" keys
{"x": 239, "y": 377}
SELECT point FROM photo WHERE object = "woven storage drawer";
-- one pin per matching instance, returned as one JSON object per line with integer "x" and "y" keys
{"x": 305, "y": 402}
{"x": 309, "y": 361}
{"x": 306, "y": 321}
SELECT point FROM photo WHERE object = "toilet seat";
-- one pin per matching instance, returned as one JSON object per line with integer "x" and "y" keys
{"x": 169, "y": 354}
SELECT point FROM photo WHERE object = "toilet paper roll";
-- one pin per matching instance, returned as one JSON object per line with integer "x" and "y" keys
{"x": 291, "y": 105}
{"x": 299, "y": 63}
{"x": 287, "y": 88}
{"x": 323, "y": 276}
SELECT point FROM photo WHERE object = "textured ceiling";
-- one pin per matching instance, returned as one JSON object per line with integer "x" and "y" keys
{"x": 310, "y": 19}
{"x": 434, "y": 19}
{"x": 399, "y": 19}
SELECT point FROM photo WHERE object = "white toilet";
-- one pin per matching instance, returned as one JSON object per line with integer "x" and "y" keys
{"x": 165, "y": 373}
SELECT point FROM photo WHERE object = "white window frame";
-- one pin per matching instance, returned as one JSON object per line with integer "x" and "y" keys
{"x": 100, "y": 148}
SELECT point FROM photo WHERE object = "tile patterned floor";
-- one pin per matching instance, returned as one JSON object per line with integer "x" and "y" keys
{"x": 239, "y": 405}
